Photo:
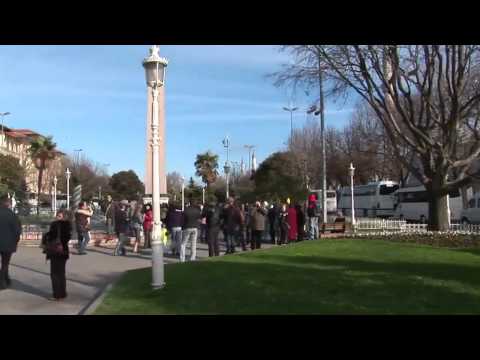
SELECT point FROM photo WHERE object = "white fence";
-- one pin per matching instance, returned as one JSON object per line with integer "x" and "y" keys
{"x": 402, "y": 226}
{"x": 465, "y": 228}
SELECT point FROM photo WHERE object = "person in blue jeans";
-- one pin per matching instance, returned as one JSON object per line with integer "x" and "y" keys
{"x": 82, "y": 222}
{"x": 174, "y": 226}
{"x": 312, "y": 222}
{"x": 191, "y": 219}
{"x": 232, "y": 223}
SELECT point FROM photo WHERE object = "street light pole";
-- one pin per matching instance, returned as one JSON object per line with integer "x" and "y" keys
{"x": 203, "y": 195}
{"x": 55, "y": 180}
{"x": 77, "y": 156}
{"x": 3, "y": 115}
{"x": 352, "y": 173}
{"x": 249, "y": 147}
{"x": 291, "y": 110}
{"x": 183, "y": 193}
{"x": 226, "y": 168}
{"x": 68, "y": 173}
{"x": 226, "y": 144}
{"x": 155, "y": 74}
{"x": 3, "y": 132}
{"x": 324, "y": 156}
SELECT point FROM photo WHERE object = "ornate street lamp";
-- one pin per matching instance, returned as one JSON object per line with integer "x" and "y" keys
{"x": 226, "y": 168}
{"x": 155, "y": 68}
{"x": 68, "y": 173}
{"x": 183, "y": 193}
{"x": 352, "y": 173}
{"x": 55, "y": 181}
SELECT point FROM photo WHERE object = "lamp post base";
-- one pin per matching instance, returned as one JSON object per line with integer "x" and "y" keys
{"x": 158, "y": 286}
{"x": 158, "y": 279}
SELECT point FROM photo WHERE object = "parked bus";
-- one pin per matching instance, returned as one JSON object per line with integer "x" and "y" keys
{"x": 376, "y": 199}
{"x": 331, "y": 201}
{"x": 412, "y": 204}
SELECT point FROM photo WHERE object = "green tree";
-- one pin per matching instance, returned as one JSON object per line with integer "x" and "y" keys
{"x": 207, "y": 167}
{"x": 193, "y": 191}
{"x": 126, "y": 185}
{"x": 12, "y": 176}
{"x": 42, "y": 150}
{"x": 277, "y": 178}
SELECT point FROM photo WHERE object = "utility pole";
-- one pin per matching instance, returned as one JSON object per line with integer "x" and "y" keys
{"x": 291, "y": 110}
{"x": 324, "y": 156}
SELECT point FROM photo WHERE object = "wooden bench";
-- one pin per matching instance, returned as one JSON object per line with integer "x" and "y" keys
{"x": 336, "y": 227}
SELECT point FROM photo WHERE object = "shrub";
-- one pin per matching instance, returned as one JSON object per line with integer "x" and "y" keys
{"x": 450, "y": 239}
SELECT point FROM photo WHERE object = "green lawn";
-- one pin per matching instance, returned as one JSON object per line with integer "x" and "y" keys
{"x": 315, "y": 277}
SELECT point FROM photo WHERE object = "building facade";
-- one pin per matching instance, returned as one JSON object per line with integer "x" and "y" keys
{"x": 16, "y": 142}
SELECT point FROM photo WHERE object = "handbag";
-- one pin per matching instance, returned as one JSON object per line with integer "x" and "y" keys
{"x": 55, "y": 247}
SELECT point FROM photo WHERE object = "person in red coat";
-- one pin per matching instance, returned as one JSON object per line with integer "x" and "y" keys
{"x": 148, "y": 226}
{"x": 292, "y": 223}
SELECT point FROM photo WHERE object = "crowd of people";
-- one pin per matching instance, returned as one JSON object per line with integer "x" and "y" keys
{"x": 237, "y": 224}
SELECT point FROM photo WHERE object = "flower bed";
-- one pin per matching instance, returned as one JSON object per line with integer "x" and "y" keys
{"x": 449, "y": 239}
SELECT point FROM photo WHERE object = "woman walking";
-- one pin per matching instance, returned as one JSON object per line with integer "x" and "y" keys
{"x": 147, "y": 226}
{"x": 55, "y": 244}
{"x": 122, "y": 224}
{"x": 137, "y": 223}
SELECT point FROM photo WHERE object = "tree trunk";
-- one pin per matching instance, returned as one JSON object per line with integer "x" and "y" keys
{"x": 438, "y": 213}
{"x": 39, "y": 188}
{"x": 464, "y": 194}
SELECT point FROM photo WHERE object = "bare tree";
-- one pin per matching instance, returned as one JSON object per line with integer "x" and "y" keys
{"x": 425, "y": 96}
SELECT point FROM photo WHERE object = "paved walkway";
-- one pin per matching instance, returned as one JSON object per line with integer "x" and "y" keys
{"x": 87, "y": 277}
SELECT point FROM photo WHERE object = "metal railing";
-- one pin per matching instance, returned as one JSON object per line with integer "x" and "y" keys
{"x": 380, "y": 225}
{"x": 471, "y": 228}
{"x": 365, "y": 224}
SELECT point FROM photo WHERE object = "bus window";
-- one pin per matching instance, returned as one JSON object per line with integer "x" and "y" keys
{"x": 414, "y": 196}
{"x": 387, "y": 190}
{"x": 454, "y": 194}
{"x": 471, "y": 203}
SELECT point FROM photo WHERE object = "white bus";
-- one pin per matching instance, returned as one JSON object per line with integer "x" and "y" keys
{"x": 412, "y": 204}
{"x": 376, "y": 199}
{"x": 331, "y": 201}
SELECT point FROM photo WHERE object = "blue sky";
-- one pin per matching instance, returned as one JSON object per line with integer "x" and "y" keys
{"x": 94, "y": 98}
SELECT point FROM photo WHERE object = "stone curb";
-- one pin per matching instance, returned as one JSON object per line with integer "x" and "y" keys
{"x": 98, "y": 299}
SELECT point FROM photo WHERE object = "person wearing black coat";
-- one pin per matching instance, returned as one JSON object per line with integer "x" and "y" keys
{"x": 300, "y": 222}
{"x": 273, "y": 222}
{"x": 212, "y": 213}
{"x": 122, "y": 224}
{"x": 10, "y": 231}
{"x": 59, "y": 229}
{"x": 174, "y": 222}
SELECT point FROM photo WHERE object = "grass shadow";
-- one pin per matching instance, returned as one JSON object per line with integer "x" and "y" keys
{"x": 298, "y": 285}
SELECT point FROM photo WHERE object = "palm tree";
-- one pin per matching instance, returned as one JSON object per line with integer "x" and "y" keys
{"x": 42, "y": 150}
{"x": 207, "y": 165}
